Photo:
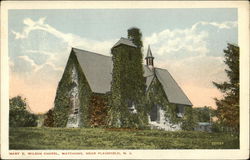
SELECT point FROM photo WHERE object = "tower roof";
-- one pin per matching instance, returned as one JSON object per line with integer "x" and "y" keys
{"x": 124, "y": 41}
{"x": 149, "y": 53}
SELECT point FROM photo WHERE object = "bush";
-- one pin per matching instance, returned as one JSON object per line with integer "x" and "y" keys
{"x": 18, "y": 115}
{"x": 48, "y": 120}
{"x": 189, "y": 122}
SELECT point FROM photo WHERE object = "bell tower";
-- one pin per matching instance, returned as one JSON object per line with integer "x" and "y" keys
{"x": 149, "y": 58}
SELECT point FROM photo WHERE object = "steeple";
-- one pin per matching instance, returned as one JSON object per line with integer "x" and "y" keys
{"x": 149, "y": 58}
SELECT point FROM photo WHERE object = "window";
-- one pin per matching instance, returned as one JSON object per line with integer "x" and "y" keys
{"x": 180, "y": 111}
{"x": 154, "y": 113}
{"x": 131, "y": 107}
{"x": 76, "y": 111}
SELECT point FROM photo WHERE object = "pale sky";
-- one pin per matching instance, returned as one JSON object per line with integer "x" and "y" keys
{"x": 188, "y": 43}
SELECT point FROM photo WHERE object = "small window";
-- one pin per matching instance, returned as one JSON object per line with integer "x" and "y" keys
{"x": 180, "y": 111}
{"x": 131, "y": 107}
{"x": 76, "y": 111}
{"x": 153, "y": 113}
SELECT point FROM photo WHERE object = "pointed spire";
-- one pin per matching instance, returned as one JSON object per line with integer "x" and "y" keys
{"x": 149, "y": 58}
{"x": 149, "y": 53}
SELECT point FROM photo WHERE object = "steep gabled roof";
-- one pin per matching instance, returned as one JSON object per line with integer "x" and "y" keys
{"x": 124, "y": 41}
{"x": 98, "y": 68}
{"x": 173, "y": 91}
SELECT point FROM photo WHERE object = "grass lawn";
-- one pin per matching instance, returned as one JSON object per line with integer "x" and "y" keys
{"x": 97, "y": 138}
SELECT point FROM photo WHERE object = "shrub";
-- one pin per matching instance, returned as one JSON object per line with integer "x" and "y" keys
{"x": 18, "y": 115}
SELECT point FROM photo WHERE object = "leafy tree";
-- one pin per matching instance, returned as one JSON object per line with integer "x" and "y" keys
{"x": 19, "y": 116}
{"x": 204, "y": 114}
{"x": 189, "y": 120}
{"x": 228, "y": 106}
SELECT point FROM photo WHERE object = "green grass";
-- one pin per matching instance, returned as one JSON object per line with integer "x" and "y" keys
{"x": 97, "y": 138}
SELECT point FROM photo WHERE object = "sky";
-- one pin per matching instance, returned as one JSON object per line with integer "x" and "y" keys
{"x": 188, "y": 43}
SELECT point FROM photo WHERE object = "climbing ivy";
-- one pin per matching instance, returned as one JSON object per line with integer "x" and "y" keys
{"x": 136, "y": 36}
{"x": 127, "y": 87}
{"x": 98, "y": 110}
{"x": 62, "y": 105}
{"x": 156, "y": 95}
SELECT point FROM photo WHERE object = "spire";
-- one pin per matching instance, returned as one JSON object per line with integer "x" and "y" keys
{"x": 149, "y": 58}
{"x": 149, "y": 53}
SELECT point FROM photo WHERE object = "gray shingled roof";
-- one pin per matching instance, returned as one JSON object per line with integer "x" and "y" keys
{"x": 124, "y": 41}
{"x": 173, "y": 91}
{"x": 98, "y": 72}
{"x": 97, "y": 69}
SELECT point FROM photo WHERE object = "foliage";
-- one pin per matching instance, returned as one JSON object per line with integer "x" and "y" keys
{"x": 63, "y": 106}
{"x": 203, "y": 114}
{"x": 127, "y": 86}
{"x": 18, "y": 114}
{"x": 136, "y": 36}
{"x": 156, "y": 95}
{"x": 217, "y": 127}
{"x": 228, "y": 106}
{"x": 188, "y": 122}
{"x": 48, "y": 120}
{"x": 98, "y": 110}
{"x": 96, "y": 138}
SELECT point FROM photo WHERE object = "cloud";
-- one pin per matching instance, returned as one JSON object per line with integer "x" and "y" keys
{"x": 222, "y": 25}
{"x": 72, "y": 40}
{"x": 193, "y": 41}
{"x": 34, "y": 66}
{"x": 172, "y": 41}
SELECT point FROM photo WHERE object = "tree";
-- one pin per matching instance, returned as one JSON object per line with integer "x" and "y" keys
{"x": 204, "y": 114}
{"x": 228, "y": 106}
{"x": 19, "y": 116}
{"x": 189, "y": 120}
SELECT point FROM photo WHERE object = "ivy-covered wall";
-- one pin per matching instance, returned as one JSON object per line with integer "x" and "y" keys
{"x": 156, "y": 95}
{"x": 128, "y": 86}
{"x": 62, "y": 104}
{"x": 98, "y": 109}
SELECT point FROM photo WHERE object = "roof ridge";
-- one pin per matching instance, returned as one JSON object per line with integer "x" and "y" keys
{"x": 92, "y": 52}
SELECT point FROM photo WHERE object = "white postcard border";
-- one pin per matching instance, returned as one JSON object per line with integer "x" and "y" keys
{"x": 243, "y": 27}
